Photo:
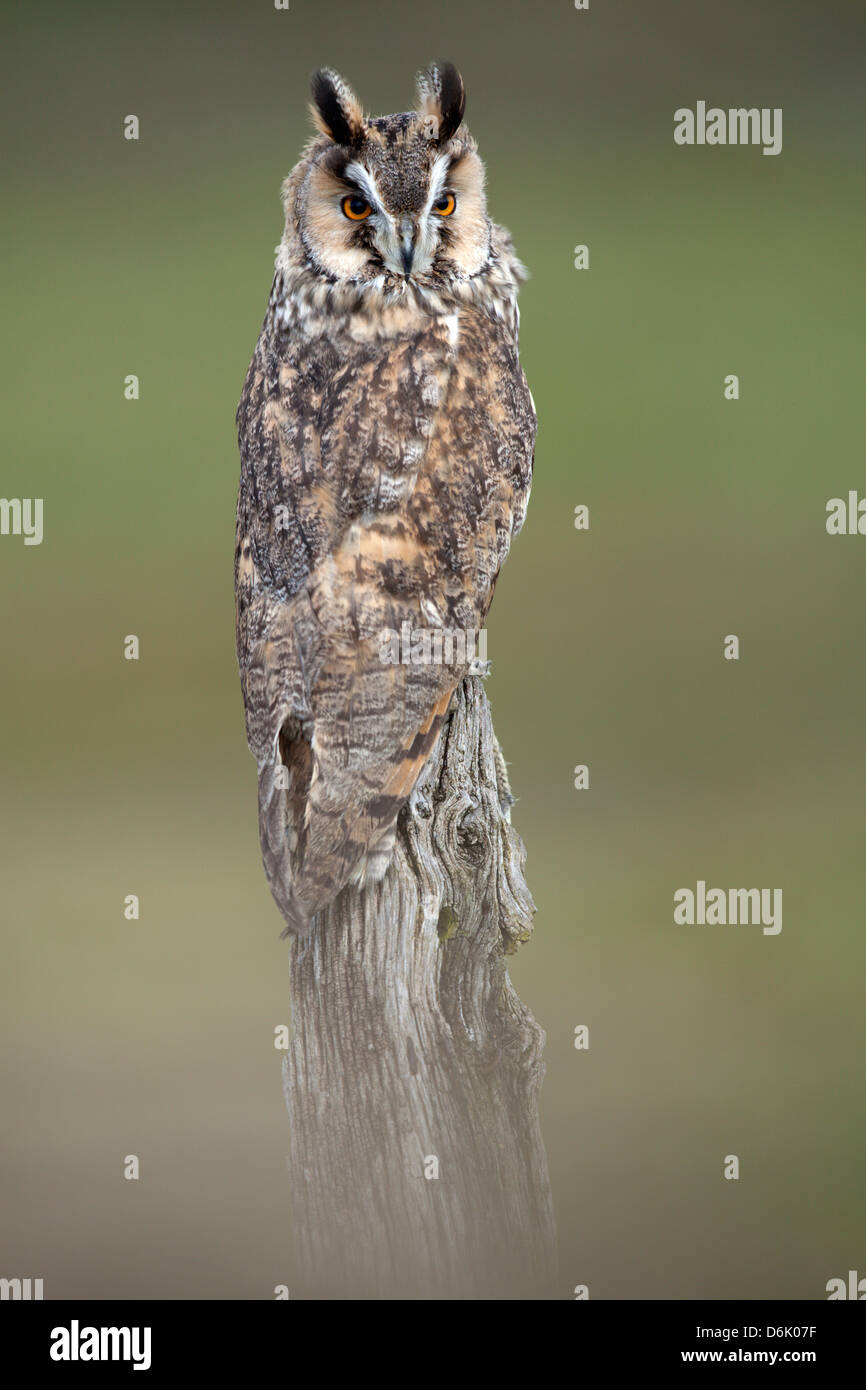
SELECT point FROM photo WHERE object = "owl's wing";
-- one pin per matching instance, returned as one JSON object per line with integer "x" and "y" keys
{"x": 401, "y": 476}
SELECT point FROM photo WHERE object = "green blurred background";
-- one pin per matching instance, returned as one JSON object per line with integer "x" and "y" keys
{"x": 707, "y": 518}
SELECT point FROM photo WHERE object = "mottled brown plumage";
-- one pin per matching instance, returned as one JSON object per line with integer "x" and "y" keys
{"x": 386, "y": 435}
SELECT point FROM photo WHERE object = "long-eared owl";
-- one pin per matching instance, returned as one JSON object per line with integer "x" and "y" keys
{"x": 386, "y": 435}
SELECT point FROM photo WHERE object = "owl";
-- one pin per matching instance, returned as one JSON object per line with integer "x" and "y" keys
{"x": 386, "y": 437}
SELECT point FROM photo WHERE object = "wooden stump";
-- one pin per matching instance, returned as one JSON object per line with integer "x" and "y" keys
{"x": 411, "y": 1056}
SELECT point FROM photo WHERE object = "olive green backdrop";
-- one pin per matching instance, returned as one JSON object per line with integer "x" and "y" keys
{"x": 707, "y": 518}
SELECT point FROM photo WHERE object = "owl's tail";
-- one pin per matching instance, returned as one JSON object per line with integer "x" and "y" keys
{"x": 323, "y": 827}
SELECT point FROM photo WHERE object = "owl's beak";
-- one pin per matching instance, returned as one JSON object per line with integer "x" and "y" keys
{"x": 407, "y": 244}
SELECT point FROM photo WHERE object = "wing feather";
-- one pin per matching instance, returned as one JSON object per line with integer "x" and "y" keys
{"x": 381, "y": 483}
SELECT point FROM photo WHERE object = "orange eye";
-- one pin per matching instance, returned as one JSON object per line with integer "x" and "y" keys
{"x": 445, "y": 205}
{"x": 355, "y": 207}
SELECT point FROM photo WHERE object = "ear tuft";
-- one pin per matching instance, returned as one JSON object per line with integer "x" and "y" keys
{"x": 336, "y": 110}
{"x": 441, "y": 94}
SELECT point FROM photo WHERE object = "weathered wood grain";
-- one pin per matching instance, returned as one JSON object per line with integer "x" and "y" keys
{"x": 409, "y": 1043}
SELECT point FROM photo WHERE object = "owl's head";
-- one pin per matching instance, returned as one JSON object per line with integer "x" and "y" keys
{"x": 390, "y": 200}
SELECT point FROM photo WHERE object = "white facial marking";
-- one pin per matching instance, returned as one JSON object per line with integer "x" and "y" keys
{"x": 364, "y": 179}
{"x": 438, "y": 174}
